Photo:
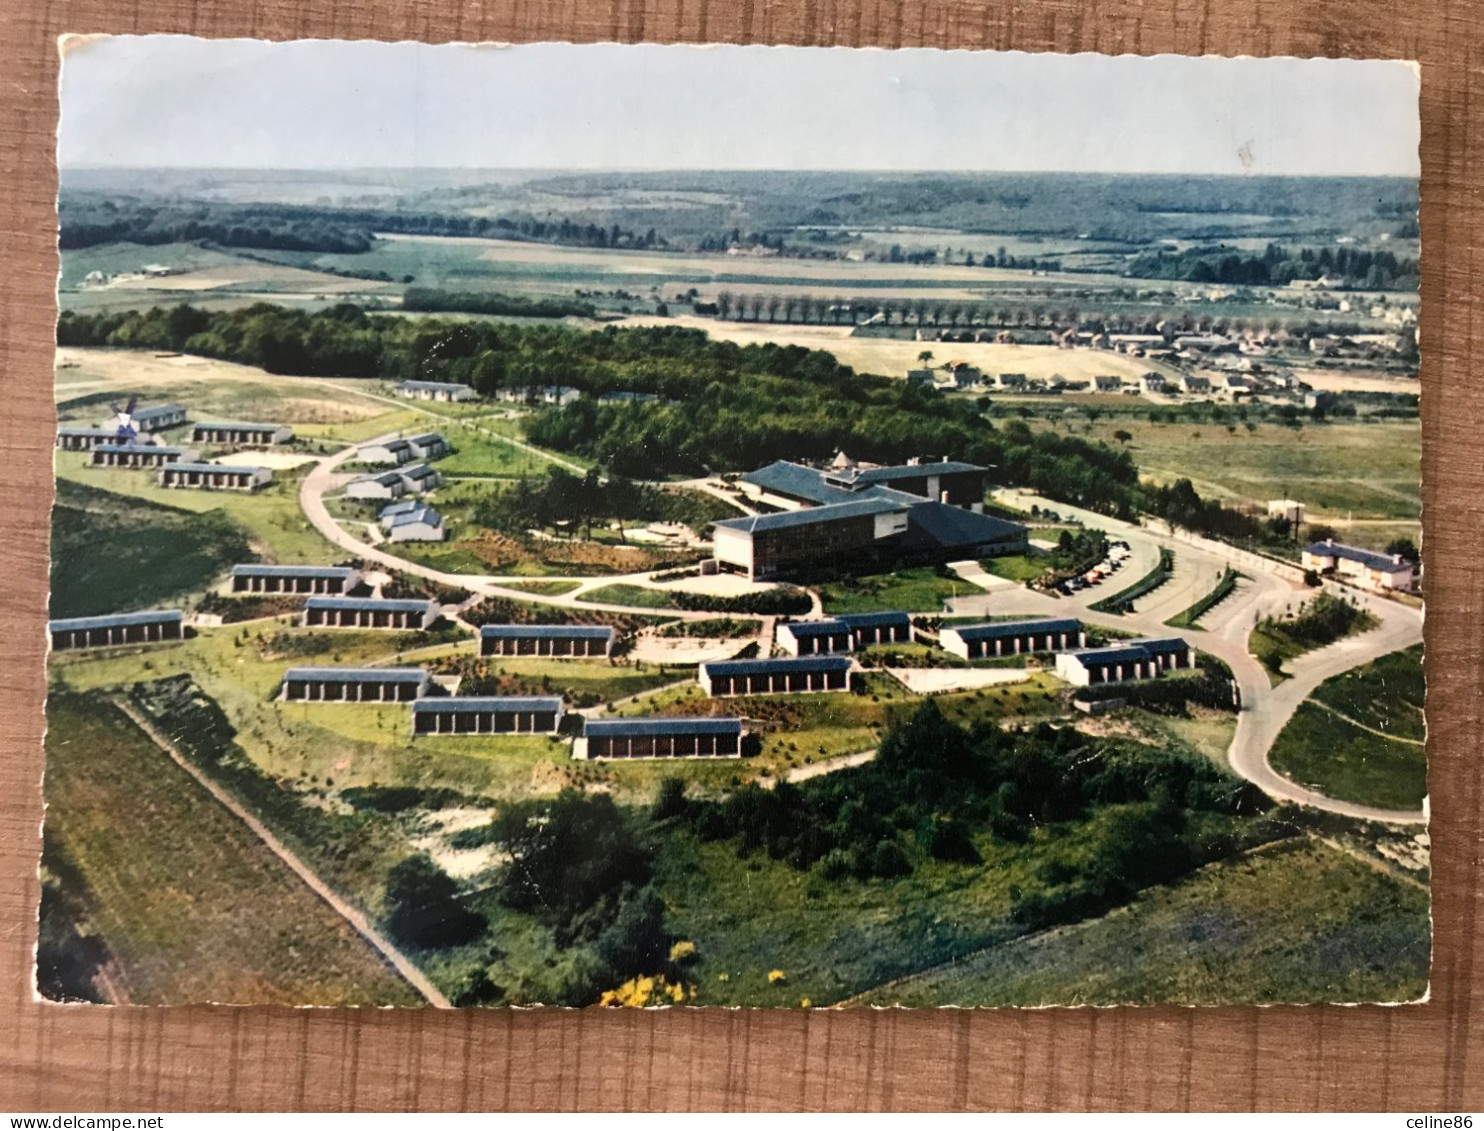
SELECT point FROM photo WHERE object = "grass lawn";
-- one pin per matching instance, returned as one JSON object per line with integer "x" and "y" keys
{"x": 477, "y": 453}
{"x": 635, "y": 595}
{"x": 1320, "y": 623}
{"x": 1319, "y": 750}
{"x": 1299, "y": 922}
{"x": 1017, "y": 567}
{"x": 271, "y": 517}
{"x": 1387, "y": 694}
{"x": 111, "y": 553}
{"x": 543, "y": 588}
{"x": 920, "y": 589}
{"x": 191, "y": 905}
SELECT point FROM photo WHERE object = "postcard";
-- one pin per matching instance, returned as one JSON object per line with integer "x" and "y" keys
{"x": 680, "y": 526}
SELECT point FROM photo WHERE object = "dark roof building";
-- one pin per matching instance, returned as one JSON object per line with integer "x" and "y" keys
{"x": 214, "y": 476}
{"x": 1011, "y": 638}
{"x": 369, "y": 612}
{"x": 355, "y": 685}
{"x": 239, "y": 433}
{"x": 116, "y": 628}
{"x": 254, "y": 578}
{"x": 563, "y": 641}
{"x": 488, "y": 714}
{"x": 690, "y": 736}
{"x": 776, "y": 676}
{"x": 141, "y": 455}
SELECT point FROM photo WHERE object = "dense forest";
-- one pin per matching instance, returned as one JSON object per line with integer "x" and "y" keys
{"x": 86, "y": 221}
{"x": 1279, "y": 265}
{"x": 726, "y": 407}
{"x": 428, "y": 300}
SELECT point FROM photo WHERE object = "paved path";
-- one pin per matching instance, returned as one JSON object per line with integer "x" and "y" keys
{"x": 1273, "y": 587}
{"x": 384, "y": 946}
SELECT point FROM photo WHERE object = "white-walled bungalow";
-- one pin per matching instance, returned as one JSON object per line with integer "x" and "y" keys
{"x": 1010, "y": 638}
{"x": 724, "y": 678}
{"x": 387, "y": 485}
{"x": 117, "y": 628}
{"x": 1123, "y": 662}
{"x": 814, "y": 637}
{"x": 386, "y": 453}
{"x": 429, "y": 445}
{"x": 72, "y": 438}
{"x": 214, "y": 476}
{"x": 660, "y": 737}
{"x": 487, "y": 714}
{"x": 251, "y": 577}
{"x": 435, "y": 391}
{"x": 1378, "y": 572}
{"x": 141, "y": 455}
{"x": 419, "y": 477}
{"x": 240, "y": 434}
{"x": 354, "y": 685}
{"x": 369, "y": 612}
{"x": 421, "y": 524}
{"x": 562, "y": 641}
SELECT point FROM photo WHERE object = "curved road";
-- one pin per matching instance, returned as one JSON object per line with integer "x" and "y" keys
{"x": 1265, "y": 709}
{"x": 1271, "y": 588}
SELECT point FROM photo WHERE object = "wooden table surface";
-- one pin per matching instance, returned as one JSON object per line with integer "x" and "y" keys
{"x": 1416, "y": 1058}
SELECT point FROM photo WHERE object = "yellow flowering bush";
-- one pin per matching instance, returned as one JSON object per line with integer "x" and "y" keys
{"x": 647, "y": 992}
{"x": 683, "y": 951}
{"x": 777, "y": 977}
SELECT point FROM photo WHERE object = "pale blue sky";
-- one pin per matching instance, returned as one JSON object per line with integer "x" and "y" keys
{"x": 315, "y": 104}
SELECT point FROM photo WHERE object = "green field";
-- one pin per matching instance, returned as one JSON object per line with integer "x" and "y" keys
{"x": 271, "y": 517}
{"x": 1338, "y": 743}
{"x": 192, "y": 907}
{"x": 1300, "y": 922}
{"x": 635, "y": 595}
{"x": 1017, "y": 567}
{"x": 111, "y": 553}
{"x": 922, "y": 589}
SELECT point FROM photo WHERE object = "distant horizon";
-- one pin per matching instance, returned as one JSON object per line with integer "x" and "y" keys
{"x": 184, "y": 103}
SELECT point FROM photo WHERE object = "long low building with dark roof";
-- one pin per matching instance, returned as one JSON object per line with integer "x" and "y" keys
{"x": 116, "y": 628}
{"x": 387, "y": 485}
{"x": 329, "y": 580}
{"x": 1011, "y": 638}
{"x": 141, "y": 455}
{"x": 1125, "y": 661}
{"x": 814, "y": 637}
{"x": 690, "y": 736}
{"x": 877, "y": 628}
{"x": 435, "y": 391}
{"x": 354, "y": 685}
{"x": 76, "y": 439}
{"x": 562, "y": 641}
{"x": 214, "y": 476}
{"x": 488, "y": 714}
{"x": 724, "y": 678}
{"x": 154, "y": 418}
{"x": 240, "y": 433}
{"x": 369, "y": 612}
{"x": 1379, "y": 572}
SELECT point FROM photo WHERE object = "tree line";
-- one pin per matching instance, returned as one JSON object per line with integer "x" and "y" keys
{"x": 1278, "y": 265}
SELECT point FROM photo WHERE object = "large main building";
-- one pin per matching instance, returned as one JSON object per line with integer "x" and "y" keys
{"x": 880, "y": 516}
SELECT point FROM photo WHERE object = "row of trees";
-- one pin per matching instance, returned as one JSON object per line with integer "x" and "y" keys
{"x": 1278, "y": 265}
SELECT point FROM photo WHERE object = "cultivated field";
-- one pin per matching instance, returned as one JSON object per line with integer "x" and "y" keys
{"x": 192, "y": 907}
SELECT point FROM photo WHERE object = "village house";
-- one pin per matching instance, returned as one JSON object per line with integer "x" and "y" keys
{"x": 239, "y": 434}
{"x": 393, "y": 453}
{"x": 332, "y": 580}
{"x": 1380, "y": 573}
{"x": 557, "y": 395}
{"x": 214, "y": 476}
{"x": 354, "y": 685}
{"x": 419, "y": 478}
{"x": 387, "y": 485}
{"x": 369, "y": 612}
{"x": 560, "y": 641}
{"x": 487, "y": 714}
{"x": 1107, "y": 383}
{"x": 117, "y": 628}
{"x": 141, "y": 455}
{"x": 435, "y": 391}
{"x": 1195, "y": 383}
{"x": 724, "y": 678}
{"x": 421, "y": 524}
{"x": 429, "y": 445}
{"x": 709, "y": 736}
{"x": 1152, "y": 382}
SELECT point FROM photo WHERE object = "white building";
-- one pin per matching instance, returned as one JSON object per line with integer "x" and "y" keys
{"x": 421, "y": 525}
{"x": 387, "y": 485}
{"x": 1366, "y": 568}
{"x": 435, "y": 391}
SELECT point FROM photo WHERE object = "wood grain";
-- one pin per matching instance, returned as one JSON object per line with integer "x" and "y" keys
{"x": 1416, "y": 1058}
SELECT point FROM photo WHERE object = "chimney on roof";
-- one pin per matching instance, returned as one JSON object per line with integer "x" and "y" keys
{"x": 1396, "y": 559}
{"x": 1329, "y": 541}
